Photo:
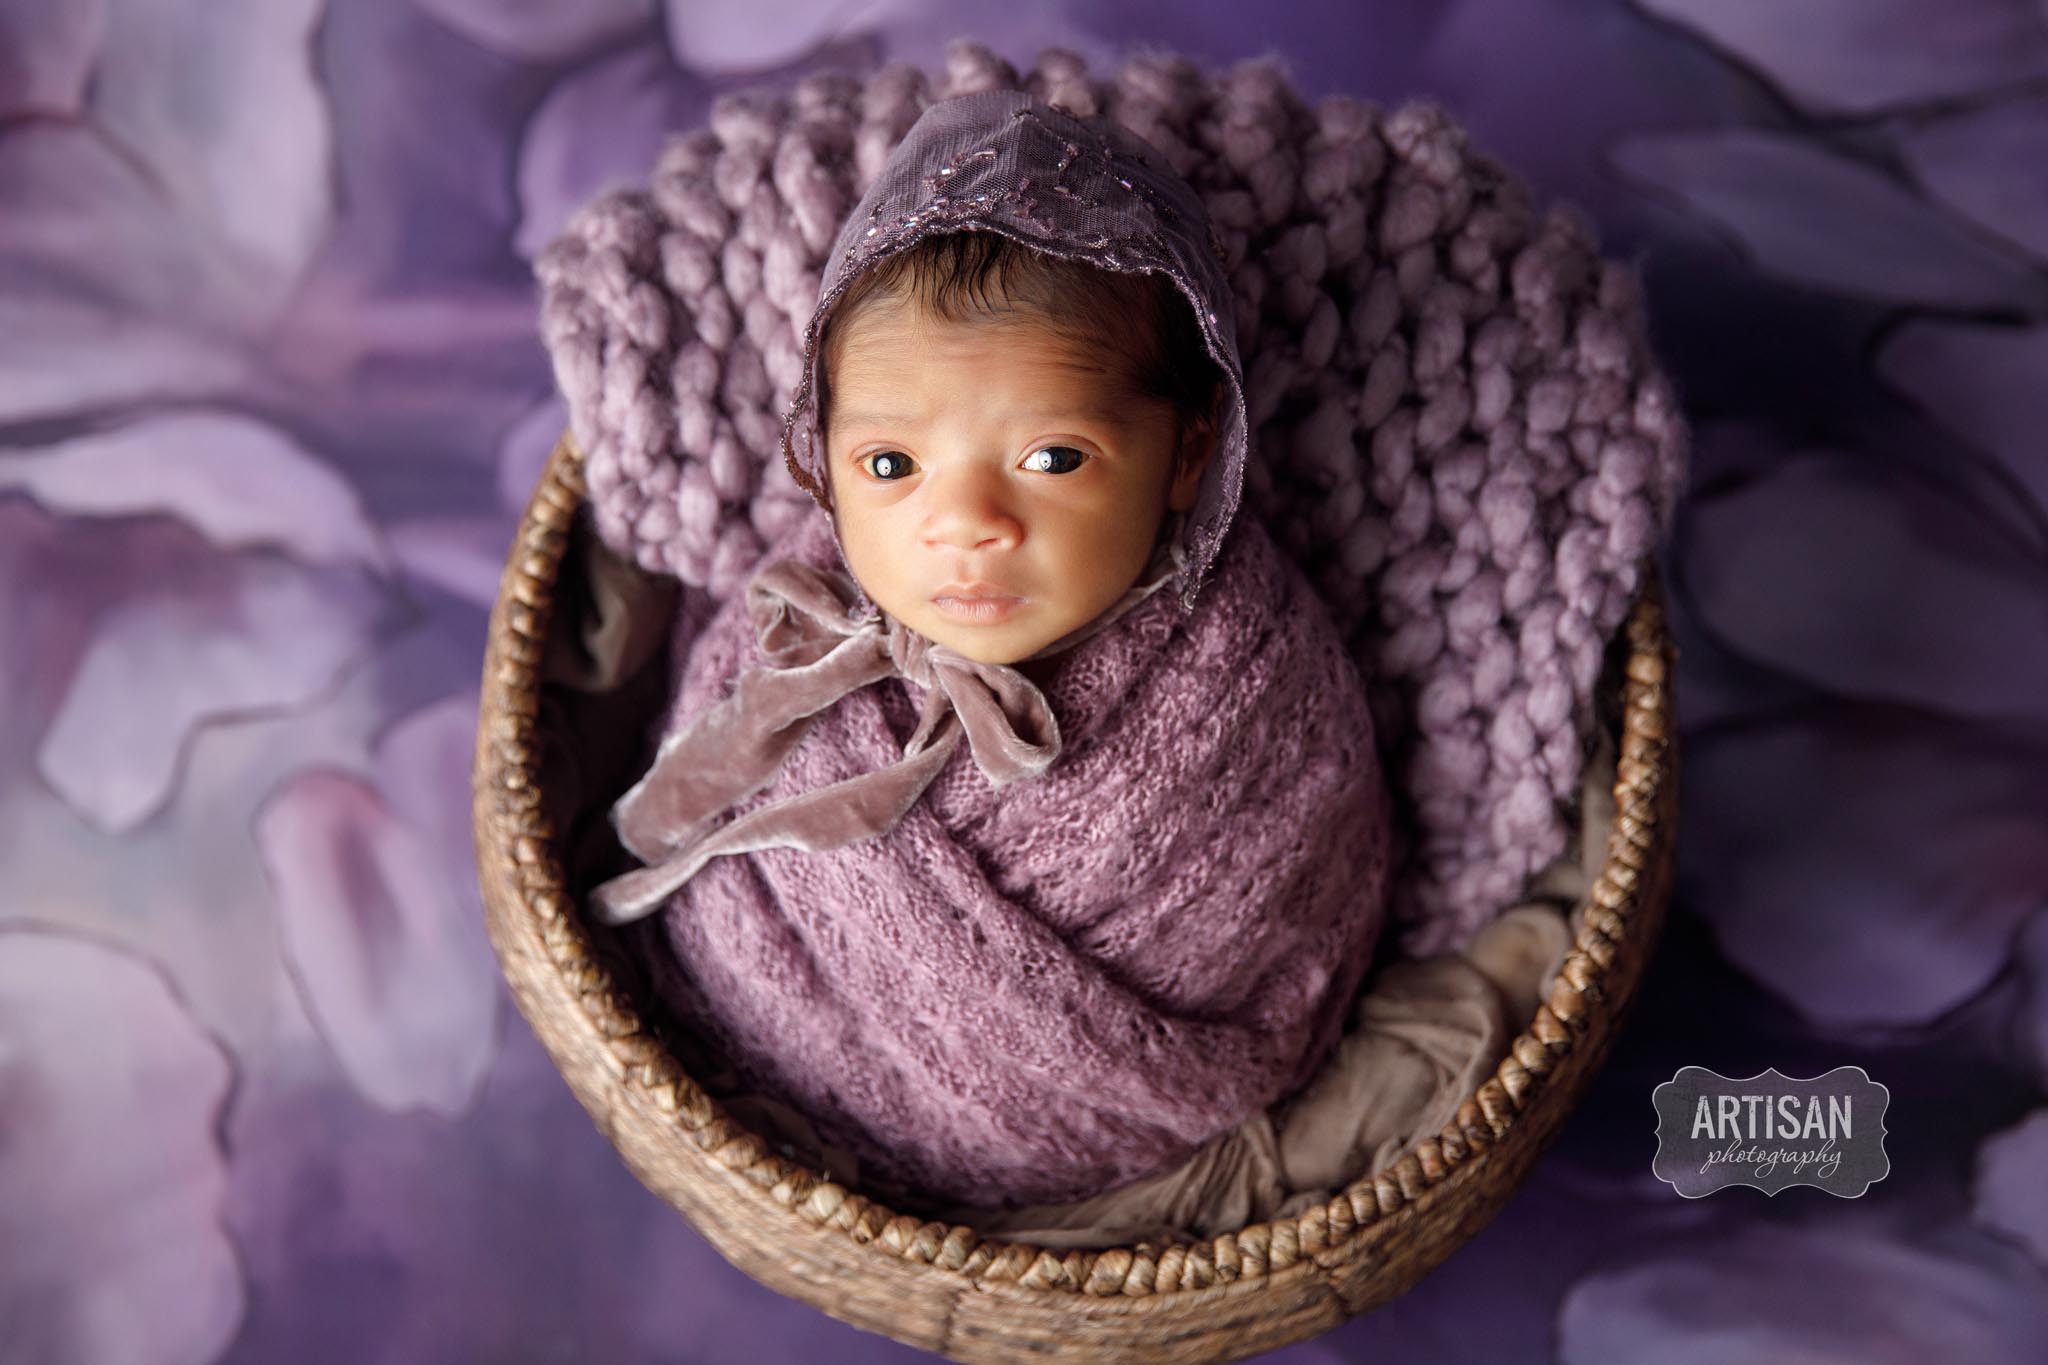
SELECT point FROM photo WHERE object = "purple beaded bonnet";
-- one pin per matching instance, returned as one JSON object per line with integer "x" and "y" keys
{"x": 1083, "y": 189}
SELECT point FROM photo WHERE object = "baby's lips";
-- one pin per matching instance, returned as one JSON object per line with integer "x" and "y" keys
{"x": 977, "y": 590}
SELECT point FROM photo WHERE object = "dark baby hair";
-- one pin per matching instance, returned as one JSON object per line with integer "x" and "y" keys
{"x": 962, "y": 276}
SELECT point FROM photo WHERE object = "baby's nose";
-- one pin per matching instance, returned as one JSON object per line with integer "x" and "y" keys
{"x": 970, "y": 509}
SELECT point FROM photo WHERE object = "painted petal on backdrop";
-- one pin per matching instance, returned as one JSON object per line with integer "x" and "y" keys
{"x": 186, "y": 887}
{"x": 1870, "y": 864}
{"x": 460, "y": 555}
{"x": 541, "y": 30}
{"x": 1802, "y": 1296}
{"x": 1562, "y": 1220}
{"x": 424, "y": 765}
{"x": 523, "y": 456}
{"x": 1870, "y": 582}
{"x": 1846, "y": 57}
{"x": 420, "y": 212}
{"x": 228, "y": 636}
{"x": 46, "y": 55}
{"x": 1722, "y": 686}
{"x": 738, "y": 35}
{"x": 1500, "y": 64}
{"x": 1987, "y": 163}
{"x": 507, "y": 1228}
{"x": 1734, "y": 449}
{"x": 63, "y": 357}
{"x": 237, "y": 481}
{"x": 84, "y": 220}
{"x": 602, "y": 126}
{"x": 2010, "y": 1192}
{"x": 59, "y": 578}
{"x": 383, "y": 950}
{"x": 1829, "y": 223}
{"x": 411, "y": 346}
{"x": 1984, "y": 383}
{"x": 423, "y": 770}
{"x": 218, "y": 99}
{"x": 408, "y": 391}
{"x": 110, "y": 297}
{"x": 111, "y": 1175}
{"x": 2033, "y": 957}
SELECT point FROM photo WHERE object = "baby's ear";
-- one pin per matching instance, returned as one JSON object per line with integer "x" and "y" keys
{"x": 1197, "y": 448}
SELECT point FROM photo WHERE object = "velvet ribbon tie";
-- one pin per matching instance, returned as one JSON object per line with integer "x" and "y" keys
{"x": 817, "y": 649}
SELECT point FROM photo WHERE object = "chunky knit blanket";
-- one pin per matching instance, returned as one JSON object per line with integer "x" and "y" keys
{"x": 1460, "y": 437}
{"x": 1036, "y": 992}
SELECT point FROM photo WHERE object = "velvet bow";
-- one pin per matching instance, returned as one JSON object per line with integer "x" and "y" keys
{"x": 817, "y": 649}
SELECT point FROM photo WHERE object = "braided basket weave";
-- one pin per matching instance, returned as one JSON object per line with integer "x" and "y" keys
{"x": 945, "y": 1288}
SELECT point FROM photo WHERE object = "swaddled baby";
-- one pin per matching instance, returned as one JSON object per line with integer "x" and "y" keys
{"x": 1020, "y": 824}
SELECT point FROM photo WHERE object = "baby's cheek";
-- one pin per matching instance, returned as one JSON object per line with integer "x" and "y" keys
{"x": 867, "y": 559}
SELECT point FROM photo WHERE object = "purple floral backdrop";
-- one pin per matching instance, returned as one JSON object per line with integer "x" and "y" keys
{"x": 271, "y": 394}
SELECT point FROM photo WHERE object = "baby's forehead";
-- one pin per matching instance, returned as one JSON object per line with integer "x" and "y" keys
{"x": 1004, "y": 389}
{"x": 873, "y": 345}
{"x": 900, "y": 312}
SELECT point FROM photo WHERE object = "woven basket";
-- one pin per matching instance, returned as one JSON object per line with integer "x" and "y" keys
{"x": 945, "y": 1288}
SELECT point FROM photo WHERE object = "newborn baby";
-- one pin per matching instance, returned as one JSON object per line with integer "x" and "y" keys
{"x": 1141, "y": 911}
{"x": 1053, "y": 426}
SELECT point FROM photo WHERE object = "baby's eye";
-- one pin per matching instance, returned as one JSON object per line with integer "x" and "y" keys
{"x": 888, "y": 466}
{"x": 1066, "y": 458}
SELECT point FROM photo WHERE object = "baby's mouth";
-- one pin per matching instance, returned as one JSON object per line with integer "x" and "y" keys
{"x": 976, "y": 603}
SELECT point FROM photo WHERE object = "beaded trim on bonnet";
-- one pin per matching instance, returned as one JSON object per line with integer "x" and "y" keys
{"x": 1082, "y": 189}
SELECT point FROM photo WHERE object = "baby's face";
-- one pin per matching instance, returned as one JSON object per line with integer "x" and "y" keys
{"x": 993, "y": 453}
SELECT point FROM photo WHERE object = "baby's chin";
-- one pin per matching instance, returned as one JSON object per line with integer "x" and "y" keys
{"x": 1029, "y": 627}
{"x": 1006, "y": 642}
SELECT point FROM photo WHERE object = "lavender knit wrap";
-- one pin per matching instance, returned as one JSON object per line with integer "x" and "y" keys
{"x": 1039, "y": 991}
{"x": 1460, "y": 436}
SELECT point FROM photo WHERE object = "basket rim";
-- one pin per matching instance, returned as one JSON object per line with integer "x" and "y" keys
{"x": 518, "y": 854}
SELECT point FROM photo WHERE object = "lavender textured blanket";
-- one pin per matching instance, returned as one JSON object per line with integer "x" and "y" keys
{"x": 1037, "y": 992}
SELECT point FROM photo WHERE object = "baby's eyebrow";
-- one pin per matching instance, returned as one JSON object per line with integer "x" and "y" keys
{"x": 872, "y": 419}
